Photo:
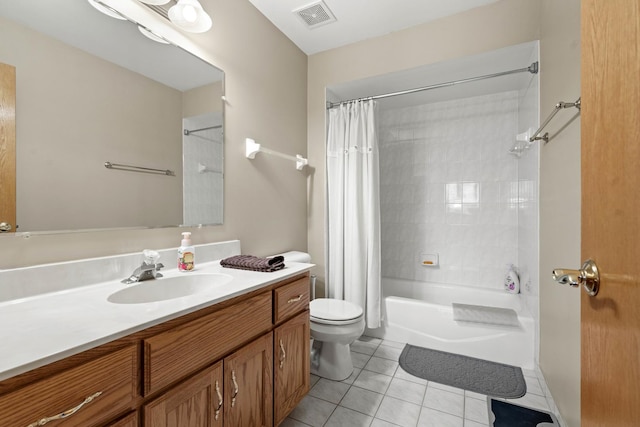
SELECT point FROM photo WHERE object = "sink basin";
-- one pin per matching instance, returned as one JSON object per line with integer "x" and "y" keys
{"x": 167, "y": 288}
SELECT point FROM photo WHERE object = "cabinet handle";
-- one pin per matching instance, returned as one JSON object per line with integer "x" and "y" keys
{"x": 217, "y": 414}
{"x": 296, "y": 299}
{"x": 283, "y": 354}
{"x": 65, "y": 414}
{"x": 235, "y": 388}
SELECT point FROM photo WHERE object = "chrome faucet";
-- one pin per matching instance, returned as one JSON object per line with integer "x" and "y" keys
{"x": 150, "y": 268}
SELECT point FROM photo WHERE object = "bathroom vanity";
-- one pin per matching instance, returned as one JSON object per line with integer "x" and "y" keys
{"x": 233, "y": 357}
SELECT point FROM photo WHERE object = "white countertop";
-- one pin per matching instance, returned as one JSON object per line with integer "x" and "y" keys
{"x": 41, "y": 329}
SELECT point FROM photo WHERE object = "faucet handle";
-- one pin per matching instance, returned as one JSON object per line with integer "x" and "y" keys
{"x": 150, "y": 256}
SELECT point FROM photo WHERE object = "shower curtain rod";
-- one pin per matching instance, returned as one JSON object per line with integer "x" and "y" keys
{"x": 533, "y": 69}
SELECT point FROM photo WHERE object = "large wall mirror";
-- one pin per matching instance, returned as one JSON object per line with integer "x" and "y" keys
{"x": 91, "y": 89}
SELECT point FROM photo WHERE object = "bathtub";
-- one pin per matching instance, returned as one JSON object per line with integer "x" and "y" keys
{"x": 428, "y": 321}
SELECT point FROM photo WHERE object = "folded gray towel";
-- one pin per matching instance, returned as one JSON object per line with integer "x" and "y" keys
{"x": 253, "y": 263}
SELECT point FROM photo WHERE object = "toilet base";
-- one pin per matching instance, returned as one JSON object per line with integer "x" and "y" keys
{"x": 331, "y": 360}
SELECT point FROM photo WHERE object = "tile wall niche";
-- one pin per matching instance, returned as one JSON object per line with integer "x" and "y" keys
{"x": 449, "y": 186}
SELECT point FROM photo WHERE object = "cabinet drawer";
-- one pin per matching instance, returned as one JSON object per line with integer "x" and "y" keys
{"x": 290, "y": 299}
{"x": 114, "y": 376}
{"x": 172, "y": 355}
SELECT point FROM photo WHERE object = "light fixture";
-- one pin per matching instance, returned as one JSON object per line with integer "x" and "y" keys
{"x": 151, "y": 35}
{"x": 190, "y": 16}
{"x": 106, "y": 10}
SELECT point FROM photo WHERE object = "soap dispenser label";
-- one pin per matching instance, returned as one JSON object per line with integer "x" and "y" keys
{"x": 186, "y": 261}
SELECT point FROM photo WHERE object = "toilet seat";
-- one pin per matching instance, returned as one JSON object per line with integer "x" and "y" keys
{"x": 330, "y": 311}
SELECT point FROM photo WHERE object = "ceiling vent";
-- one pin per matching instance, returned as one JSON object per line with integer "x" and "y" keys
{"x": 315, "y": 14}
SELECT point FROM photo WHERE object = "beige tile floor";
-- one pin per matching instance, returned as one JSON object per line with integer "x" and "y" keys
{"x": 380, "y": 393}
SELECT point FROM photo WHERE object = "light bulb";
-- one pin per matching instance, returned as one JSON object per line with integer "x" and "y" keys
{"x": 189, "y": 13}
{"x": 190, "y": 16}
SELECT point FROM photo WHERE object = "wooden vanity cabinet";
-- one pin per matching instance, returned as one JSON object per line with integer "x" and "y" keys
{"x": 248, "y": 385}
{"x": 180, "y": 351}
{"x": 196, "y": 402}
{"x": 290, "y": 346}
{"x": 244, "y": 363}
{"x": 291, "y": 365}
{"x": 96, "y": 392}
{"x": 130, "y": 420}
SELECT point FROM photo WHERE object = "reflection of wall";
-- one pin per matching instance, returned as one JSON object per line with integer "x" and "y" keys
{"x": 449, "y": 186}
{"x": 201, "y": 100}
{"x": 74, "y": 112}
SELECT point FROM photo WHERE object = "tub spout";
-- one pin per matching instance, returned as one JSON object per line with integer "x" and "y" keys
{"x": 567, "y": 277}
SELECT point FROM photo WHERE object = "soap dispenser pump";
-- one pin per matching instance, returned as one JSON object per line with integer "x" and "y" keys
{"x": 186, "y": 253}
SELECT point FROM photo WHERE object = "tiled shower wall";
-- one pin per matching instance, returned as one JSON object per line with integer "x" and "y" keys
{"x": 203, "y": 159}
{"x": 450, "y": 187}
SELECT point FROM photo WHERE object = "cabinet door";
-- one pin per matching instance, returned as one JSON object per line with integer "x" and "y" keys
{"x": 130, "y": 420}
{"x": 292, "y": 364}
{"x": 194, "y": 403}
{"x": 248, "y": 385}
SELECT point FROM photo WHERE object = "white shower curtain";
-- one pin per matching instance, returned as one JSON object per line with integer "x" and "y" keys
{"x": 353, "y": 208}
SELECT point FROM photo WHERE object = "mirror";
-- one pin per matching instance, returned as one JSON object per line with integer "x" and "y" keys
{"x": 91, "y": 89}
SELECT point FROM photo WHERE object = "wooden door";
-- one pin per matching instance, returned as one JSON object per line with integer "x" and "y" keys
{"x": 610, "y": 127}
{"x": 248, "y": 385}
{"x": 194, "y": 403}
{"x": 291, "y": 367}
{"x": 8, "y": 145}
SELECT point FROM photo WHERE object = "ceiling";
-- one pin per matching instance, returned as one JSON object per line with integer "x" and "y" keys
{"x": 356, "y": 20}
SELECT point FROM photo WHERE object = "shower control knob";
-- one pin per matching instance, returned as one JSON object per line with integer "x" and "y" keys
{"x": 588, "y": 276}
{"x": 5, "y": 227}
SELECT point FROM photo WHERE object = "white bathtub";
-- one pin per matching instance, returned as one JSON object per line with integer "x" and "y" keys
{"x": 428, "y": 322}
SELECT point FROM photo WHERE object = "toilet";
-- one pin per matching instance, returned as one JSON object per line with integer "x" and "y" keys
{"x": 335, "y": 324}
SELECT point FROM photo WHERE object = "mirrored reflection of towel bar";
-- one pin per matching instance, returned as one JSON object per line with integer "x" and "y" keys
{"x": 131, "y": 168}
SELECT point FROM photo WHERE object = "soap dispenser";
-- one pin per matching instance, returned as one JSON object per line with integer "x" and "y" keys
{"x": 186, "y": 253}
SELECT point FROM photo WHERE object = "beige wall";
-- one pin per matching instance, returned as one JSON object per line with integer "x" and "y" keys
{"x": 501, "y": 24}
{"x": 265, "y": 199}
{"x": 560, "y": 206}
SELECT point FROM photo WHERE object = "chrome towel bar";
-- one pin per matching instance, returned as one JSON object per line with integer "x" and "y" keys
{"x": 559, "y": 106}
{"x": 131, "y": 168}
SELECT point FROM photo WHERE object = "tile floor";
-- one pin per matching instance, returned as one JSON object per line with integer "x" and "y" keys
{"x": 380, "y": 393}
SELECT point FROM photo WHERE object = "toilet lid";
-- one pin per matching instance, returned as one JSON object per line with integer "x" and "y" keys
{"x": 333, "y": 310}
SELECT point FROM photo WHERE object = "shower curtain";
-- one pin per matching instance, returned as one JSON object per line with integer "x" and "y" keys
{"x": 353, "y": 208}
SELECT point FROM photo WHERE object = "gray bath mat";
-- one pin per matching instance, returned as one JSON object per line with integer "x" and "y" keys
{"x": 484, "y": 314}
{"x": 482, "y": 376}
